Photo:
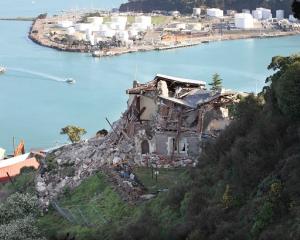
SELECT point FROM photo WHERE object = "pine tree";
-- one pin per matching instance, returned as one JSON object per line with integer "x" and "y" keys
{"x": 216, "y": 83}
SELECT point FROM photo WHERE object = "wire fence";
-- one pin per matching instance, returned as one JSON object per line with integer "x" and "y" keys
{"x": 84, "y": 214}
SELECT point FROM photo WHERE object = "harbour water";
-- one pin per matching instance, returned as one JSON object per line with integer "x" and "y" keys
{"x": 35, "y": 102}
{"x": 30, "y": 8}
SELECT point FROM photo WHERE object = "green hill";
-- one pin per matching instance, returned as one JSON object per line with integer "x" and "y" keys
{"x": 186, "y": 6}
{"x": 247, "y": 185}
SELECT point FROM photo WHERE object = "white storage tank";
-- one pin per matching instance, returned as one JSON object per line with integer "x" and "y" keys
{"x": 119, "y": 19}
{"x": 108, "y": 33}
{"x": 80, "y": 36}
{"x": 257, "y": 14}
{"x": 65, "y": 24}
{"x": 71, "y": 31}
{"x": 122, "y": 36}
{"x": 243, "y": 20}
{"x": 95, "y": 20}
{"x": 82, "y": 26}
{"x": 280, "y": 14}
{"x": 214, "y": 12}
{"x": 181, "y": 26}
{"x": 144, "y": 21}
{"x": 266, "y": 13}
{"x": 292, "y": 18}
{"x": 133, "y": 33}
{"x": 196, "y": 12}
{"x": 245, "y": 11}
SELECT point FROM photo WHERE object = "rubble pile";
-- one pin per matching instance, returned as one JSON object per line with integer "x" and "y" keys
{"x": 66, "y": 167}
{"x": 166, "y": 125}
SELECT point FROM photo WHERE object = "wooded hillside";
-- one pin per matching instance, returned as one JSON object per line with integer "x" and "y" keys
{"x": 186, "y": 6}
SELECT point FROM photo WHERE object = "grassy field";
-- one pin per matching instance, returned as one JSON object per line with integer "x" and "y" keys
{"x": 94, "y": 208}
{"x": 91, "y": 207}
{"x": 165, "y": 178}
{"x": 159, "y": 20}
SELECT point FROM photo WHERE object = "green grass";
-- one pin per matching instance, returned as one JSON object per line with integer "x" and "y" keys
{"x": 158, "y": 20}
{"x": 165, "y": 178}
{"x": 94, "y": 204}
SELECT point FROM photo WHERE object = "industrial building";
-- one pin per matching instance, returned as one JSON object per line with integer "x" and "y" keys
{"x": 214, "y": 12}
{"x": 243, "y": 20}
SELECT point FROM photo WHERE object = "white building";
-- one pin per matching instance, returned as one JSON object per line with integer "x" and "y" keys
{"x": 246, "y": 11}
{"x": 86, "y": 26}
{"x": 95, "y": 20}
{"x": 175, "y": 13}
{"x": 243, "y": 20}
{"x": 133, "y": 33}
{"x": 65, "y": 24}
{"x": 292, "y": 18}
{"x": 266, "y": 13}
{"x": 119, "y": 19}
{"x": 196, "y": 12}
{"x": 2, "y": 153}
{"x": 71, "y": 31}
{"x": 280, "y": 14}
{"x": 230, "y": 12}
{"x": 122, "y": 36}
{"x": 214, "y": 12}
{"x": 143, "y": 22}
{"x": 108, "y": 33}
{"x": 90, "y": 37}
{"x": 257, "y": 14}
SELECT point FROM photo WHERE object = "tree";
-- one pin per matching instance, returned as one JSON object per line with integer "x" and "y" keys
{"x": 17, "y": 217}
{"x": 288, "y": 92}
{"x": 285, "y": 84}
{"x": 296, "y": 8}
{"x": 216, "y": 83}
{"x": 74, "y": 132}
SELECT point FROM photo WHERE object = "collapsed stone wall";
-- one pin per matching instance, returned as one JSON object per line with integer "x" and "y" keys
{"x": 66, "y": 167}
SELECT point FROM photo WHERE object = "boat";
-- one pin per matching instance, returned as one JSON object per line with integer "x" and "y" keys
{"x": 70, "y": 81}
{"x": 2, "y": 69}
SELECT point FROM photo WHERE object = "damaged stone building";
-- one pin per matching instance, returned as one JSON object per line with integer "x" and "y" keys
{"x": 170, "y": 118}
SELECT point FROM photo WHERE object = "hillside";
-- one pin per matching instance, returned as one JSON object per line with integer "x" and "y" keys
{"x": 247, "y": 185}
{"x": 186, "y": 6}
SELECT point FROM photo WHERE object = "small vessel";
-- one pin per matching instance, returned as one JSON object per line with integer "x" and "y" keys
{"x": 2, "y": 69}
{"x": 70, "y": 80}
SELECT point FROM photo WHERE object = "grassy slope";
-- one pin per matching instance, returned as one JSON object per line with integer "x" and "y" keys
{"x": 165, "y": 178}
{"x": 246, "y": 187}
{"x": 98, "y": 209}
{"x": 94, "y": 204}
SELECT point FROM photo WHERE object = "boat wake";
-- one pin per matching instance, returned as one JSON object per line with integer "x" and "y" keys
{"x": 39, "y": 74}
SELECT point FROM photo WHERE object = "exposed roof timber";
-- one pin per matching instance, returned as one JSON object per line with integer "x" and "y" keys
{"x": 179, "y": 80}
{"x": 178, "y": 101}
{"x": 150, "y": 86}
{"x": 210, "y": 100}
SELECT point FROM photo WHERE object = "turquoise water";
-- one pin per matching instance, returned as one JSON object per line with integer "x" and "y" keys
{"x": 35, "y": 104}
{"x": 35, "y": 7}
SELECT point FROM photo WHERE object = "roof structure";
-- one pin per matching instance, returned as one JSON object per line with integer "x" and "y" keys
{"x": 152, "y": 85}
{"x": 12, "y": 167}
{"x": 167, "y": 78}
{"x": 198, "y": 97}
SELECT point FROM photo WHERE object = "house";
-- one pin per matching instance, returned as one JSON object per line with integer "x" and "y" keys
{"x": 170, "y": 119}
